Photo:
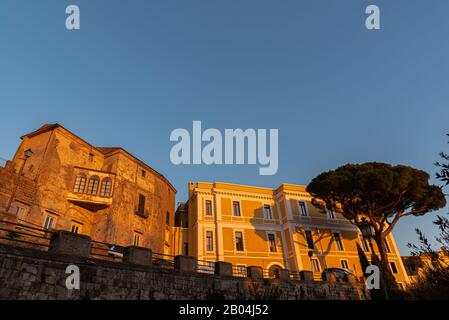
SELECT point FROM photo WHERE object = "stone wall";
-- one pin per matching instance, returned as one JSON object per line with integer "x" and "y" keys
{"x": 32, "y": 274}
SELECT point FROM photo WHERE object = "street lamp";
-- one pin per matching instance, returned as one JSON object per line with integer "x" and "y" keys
{"x": 26, "y": 154}
{"x": 366, "y": 228}
{"x": 368, "y": 232}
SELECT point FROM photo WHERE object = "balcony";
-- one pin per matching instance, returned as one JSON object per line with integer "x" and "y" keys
{"x": 92, "y": 189}
{"x": 89, "y": 202}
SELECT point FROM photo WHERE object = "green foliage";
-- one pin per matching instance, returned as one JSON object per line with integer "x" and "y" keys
{"x": 377, "y": 190}
{"x": 380, "y": 194}
{"x": 434, "y": 282}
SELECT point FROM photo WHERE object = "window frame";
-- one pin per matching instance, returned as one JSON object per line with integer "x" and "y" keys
{"x": 393, "y": 267}
{"x": 53, "y": 221}
{"x": 137, "y": 236}
{"x": 106, "y": 185}
{"x": 242, "y": 240}
{"x": 347, "y": 264}
{"x": 270, "y": 217}
{"x": 141, "y": 204}
{"x": 80, "y": 179}
{"x": 208, "y": 205}
{"x": 210, "y": 246}
{"x": 340, "y": 242}
{"x": 92, "y": 185}
{"x": 272, "y": 243}
{"x": 311, "y": 239}
{"x": 331, "y": 215}
{"x": 239, "y": 208}
{"x": 306, "y": 211}
{"x": 364, "y": 242}
{"x": 77, "y": 225}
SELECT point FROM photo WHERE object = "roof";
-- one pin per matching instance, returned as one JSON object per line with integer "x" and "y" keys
{"x": 107, "y": 151}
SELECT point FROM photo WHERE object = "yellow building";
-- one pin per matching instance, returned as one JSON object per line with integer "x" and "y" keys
{"x": 270, "y": 228}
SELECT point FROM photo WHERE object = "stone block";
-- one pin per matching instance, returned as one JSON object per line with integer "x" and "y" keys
{"x": 138, "y": 255}
{"x": 254, "y": 272}
{"x": 185, "y": 264}
{"x": 65, "y": 242}
{"x": 306, "y": 275}
{"x": 223, "y": 268}
{"x": 284, "y": 275}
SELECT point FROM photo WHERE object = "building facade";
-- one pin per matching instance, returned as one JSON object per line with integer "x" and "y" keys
{"x": 57, "y": 180}
{"x": 271, "y": 228}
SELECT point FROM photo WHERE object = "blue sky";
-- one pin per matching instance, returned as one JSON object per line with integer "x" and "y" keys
{"x": 137, "y": 70}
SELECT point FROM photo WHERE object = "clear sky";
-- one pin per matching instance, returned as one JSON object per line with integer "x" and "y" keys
{"x": 138, "y": 69}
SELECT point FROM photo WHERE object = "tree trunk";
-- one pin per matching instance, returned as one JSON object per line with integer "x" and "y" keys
{"x": 388, "y": 277}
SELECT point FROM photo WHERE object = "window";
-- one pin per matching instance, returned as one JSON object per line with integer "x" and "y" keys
{"x": 267, "y": 212}
{"x": 167, "y": 218}
{"x": 208, "y": 205}
{"x": 309, "y": 239}
{"x": 272, "y": 242}
{"x": 143, "y": 173}
{"x": 236, "y": 208}
{"x": 209, "y": 241}
{"x": 185, "y": 249}
{"x": 92, "y": 187}
{"x": 91, "y": 157}
{"x": 387, "y": 247}
{"x": 106, "y": 185}
{"x": 364, "y": 243}
{"x": 302, "y": 208}
{"x": 393, "y": 268}
{"x": 20, "y": 210}
{"x": 49, "y": 222}
{"x": 344, "y": 264}
{"x": 76, "y": 227}
{"x": 137, "y": 237}
{"x": 239, "y": 241}
{"x": 141, "y": 206}
{"x": 315, "y": 265}
{"x": 80, "y": 183}
{"x": 338, "y": 241}
{"x": 331, "y": 214}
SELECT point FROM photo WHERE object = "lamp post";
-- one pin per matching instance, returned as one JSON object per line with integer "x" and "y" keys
{"x": 27, "y": 154}
{"x": 368, "y": 232}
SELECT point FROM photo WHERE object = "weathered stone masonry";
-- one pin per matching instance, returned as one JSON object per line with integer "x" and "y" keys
{"x": 32, "y": 274}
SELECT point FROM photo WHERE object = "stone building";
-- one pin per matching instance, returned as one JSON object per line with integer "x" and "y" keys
{"x": 57, "y": 180}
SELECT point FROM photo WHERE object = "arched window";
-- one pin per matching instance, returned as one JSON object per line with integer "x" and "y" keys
{"x": 92, "y": 187}
{"x": 106, "y": 186}
{"x": 80, "y": 183}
